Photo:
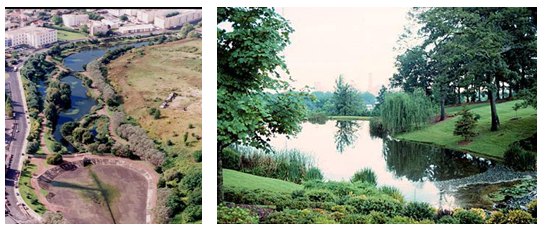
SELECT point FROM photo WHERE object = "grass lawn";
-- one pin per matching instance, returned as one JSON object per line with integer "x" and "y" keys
{"x": 454, "y": 109}
{"x": 487, "y": 143}
{"x": 7, "y": 75}
{"x": 27, "y": 192}
{"x": 244, "y": 180}
{"x": 349, "y": 117}
{"x": 48, "y": 141}
{"x": 67, "y": 36}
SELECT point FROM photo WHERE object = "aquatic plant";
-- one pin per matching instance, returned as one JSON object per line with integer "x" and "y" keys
{"x": 364, "y": 175}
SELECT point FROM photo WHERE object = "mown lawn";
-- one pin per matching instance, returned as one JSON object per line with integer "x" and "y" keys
{"x": 455, "y": 109}
{"x": 27, "y": 192}
{"x": 349, "y": 117}
{"x": 244, "y": 180}
{"x": 67, "y": 36}
{"x": 487, "y": 143}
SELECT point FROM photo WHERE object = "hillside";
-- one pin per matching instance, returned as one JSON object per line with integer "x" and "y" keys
{"x": 487, "y": 143}
{"x": 238, "y": 179}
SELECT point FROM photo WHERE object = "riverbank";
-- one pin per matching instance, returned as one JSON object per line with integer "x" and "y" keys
{"x": 488, "y": 143}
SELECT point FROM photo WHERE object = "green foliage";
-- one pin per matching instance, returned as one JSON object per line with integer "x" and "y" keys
{"x": 497, "y": 218}
{"x": 366, "y": 205}
{"x": 376, "y": 127}
{"x": 197, "y": 156}
{"x": 519, "y": 217}
{"x": 299, "y": 217}
{"x": 468, "y": 217}
{"x": 32, "y": 147}
{"x": 231, "y": 159}
{"x": 192, "y": 213}
{"x": 313, "y": 173}
{"x": 377, "y": 217}
{"x": 531, "y": 208}
{"x": 345, "y": 99}
{"x": 393, "y": 192}
{"x": 466, "y": 125}
{"x": 401, "y": 220}
{"x": 519, "y": 159}
{"x": 57, "y": 20}
{"x": 192, "y": 180}
{"x": 404, "y": 112}
{"x": 419, "y": 210}
{"x": 187, "y": 28}
{"x": 54, "y": 159}
{"x": 254, "y": 197}
{"x": 447, "y": 219}
{"x": 365, "y": 175}
{"x": 235, "y": 215}
{"x": 320, "y": 195}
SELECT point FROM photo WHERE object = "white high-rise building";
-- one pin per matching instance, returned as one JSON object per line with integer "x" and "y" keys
{"x": 71, "y": 20}
{"x": 36, "y": 37}
{"x": 185, "y": 16}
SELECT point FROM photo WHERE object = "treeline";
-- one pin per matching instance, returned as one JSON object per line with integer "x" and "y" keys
{"x": 471, "y": 55}
{"x": 58, "y": 98}
{"x": 9, "y": 106}
{"x": 141, "y": 144}
{"x": 98, "y": 80}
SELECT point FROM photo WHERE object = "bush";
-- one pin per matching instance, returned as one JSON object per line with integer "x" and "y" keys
{"x": 235, "y": 215}
{"x": 418, "y": 210}
{"x": 393, "y": 192}
{"x": 468, "y": 217}
{"x": 377, "y": 217}
{"x": 192, "y": 180}
{"x": 56, "y": 147}
{"x": 306, "y": 216}
{"x": 192, "y": 213}
{"x": 298, "y": 194}
{"x": 401, "y": 220}
{"x": 519, "y": 217}
{"x": 531, "y": 208}
{"x": 365, "y": 205}
{"x": 355, "y": 219}
{"x": 231, "y": 159}
{"x": 320, "y": 195}
{"x": 197, "y": 156}
{"x": 519, "y": 159}
{"x": 195, "y": 197}
{"x": 32, "y": 147}
{"x": 365, "y": 175}
{"x": 497, "y": 218}
{"x": 255, "y": 197}
{"x": 447, "y": 219}
{"x": 54, "y": 159}
{"x": 314, "y": 173}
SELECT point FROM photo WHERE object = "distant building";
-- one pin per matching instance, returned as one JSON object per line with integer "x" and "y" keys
{"x": 111, "y": 24}
{"x": 136, "y": 29}
{"x": 148, "y": 16}
{"x": 184, "y": 17}
{"x": 72, "y": 20}
{"x": 36, "y": 37}
{"x": 97, "y": 27}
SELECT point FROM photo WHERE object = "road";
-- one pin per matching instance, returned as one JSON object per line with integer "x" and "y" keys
{"x": 17, "y": 145}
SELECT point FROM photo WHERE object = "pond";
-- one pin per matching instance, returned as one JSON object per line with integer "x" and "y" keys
{"x": 76, "y": 61}
{"x": 340, "y": 148}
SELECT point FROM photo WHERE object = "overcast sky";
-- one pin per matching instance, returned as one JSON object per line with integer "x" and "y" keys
{"x": 355, "y": 42}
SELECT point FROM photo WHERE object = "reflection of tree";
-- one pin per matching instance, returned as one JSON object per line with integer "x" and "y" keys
{"x": 419, "y": 162}
{"x": 346, "y": 134}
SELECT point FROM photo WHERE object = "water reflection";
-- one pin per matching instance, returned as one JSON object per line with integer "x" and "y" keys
{"x": 340, "y": 148}
{"x": 346, "y": 134}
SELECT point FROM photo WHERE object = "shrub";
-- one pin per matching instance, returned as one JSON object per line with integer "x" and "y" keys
{"x": 393, "y": 192}
{"x": 231, "y": 159}
{"x": 377, "y": 217}
{"x": 235, "y": 215}
{"x": 56, "y": 147}
{"x": 192, "y": 180}
{"x": 197, "y": 156}
{"x": 192, "y": 213}
{"x": 255, "y": 197}
{"x": 195, "y": 197}
{"x": 320, "y": 195}
{"x": 519, "y": 159}
{"x": 468, "y": 217}
{"x": 365, "y": 175}
{"x": 480, "y": 212}
{"x": 497, "y": 218}
{"x": 447, "y": 219}
{"x": 54, "y": 159}
{"x": 355, "y": 219}
{"x": 519, "y": 217}
{"x": 32, "y": 147}
{"x": 306, "y": 216}
{"x": 531, "y": 208}
{"x": 418, "y": 210}
{"x": 314, "y": 173}
{"x": 401, "y": 220}
{"x": 298, "y": 194}
{"x": 365, "y": 205}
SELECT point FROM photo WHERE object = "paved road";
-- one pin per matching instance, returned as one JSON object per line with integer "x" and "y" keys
{"x": 17, "y": 145}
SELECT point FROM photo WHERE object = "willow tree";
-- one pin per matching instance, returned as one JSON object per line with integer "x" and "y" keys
{"x": 254, "y": 102}
{"x": 403, "y": 112}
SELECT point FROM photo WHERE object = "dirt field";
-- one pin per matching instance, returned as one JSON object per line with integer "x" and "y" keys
{"x": 145, "y": 77}
{"x": 100, "y": 194}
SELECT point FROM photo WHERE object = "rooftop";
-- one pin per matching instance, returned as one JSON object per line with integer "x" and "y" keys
{"x": 29, "y": 29}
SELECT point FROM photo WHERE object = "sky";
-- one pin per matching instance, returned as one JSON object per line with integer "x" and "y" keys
{"x": 355, "y": 42}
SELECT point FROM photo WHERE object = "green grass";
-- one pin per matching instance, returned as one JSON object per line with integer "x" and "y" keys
{"x": 27, "y": 192}
{"x": 243, "y": 180}
{"x": 487, "y": 143}
{"x": 454, "y": 109}
{"x": 48, "y": 142}
{"x": 7, "y": 75}
{"x": 349, "y": 117}
{"x": 67, "y": 36}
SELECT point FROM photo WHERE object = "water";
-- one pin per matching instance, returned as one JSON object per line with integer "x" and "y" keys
{"x": 80, "y": 106}
{"x": 76, "y": 61}
{"x": 341, "y": 148}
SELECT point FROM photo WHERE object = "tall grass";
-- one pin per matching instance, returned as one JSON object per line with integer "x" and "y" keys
{"x": 364, "y": 175}
{"x": 288, "y": 165}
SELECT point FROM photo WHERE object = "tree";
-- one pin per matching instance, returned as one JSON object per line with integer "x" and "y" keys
{"x": 380, "y": 97}
{"x": 123, "y": 18}
{"x": 51, "y": 217}
{"x": 193, "y": 34}
{"x": 186, "y": 29}
{"x": 156, "y": 114}
{"x": 32, "y": 147}
{"x": 466, "y": 126}
{"x": 84, "y": 28}
{"x": 57, "y": 20}
{"x": 403, "y": 112}
{"x": 248, "y": 61}
{"x": 346, "y": 99}
{"x": 54, "y": 159}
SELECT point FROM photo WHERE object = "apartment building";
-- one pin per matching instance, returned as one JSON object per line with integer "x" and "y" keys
{"x": 185, "y": 16}
{"x": 97, "y": 27}
{"x": 148, "y": 16}
{"x": 72, "y": 20}
{"x": 136, "y": 29}
{"x": 36, "y": 37}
